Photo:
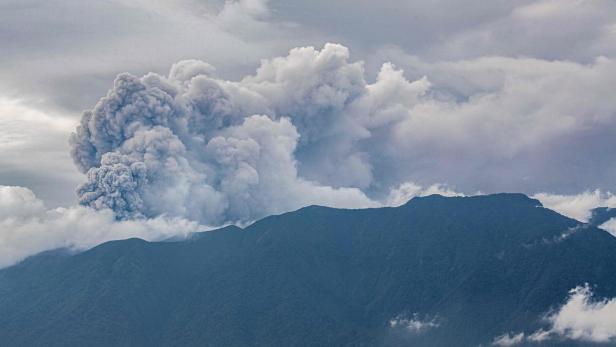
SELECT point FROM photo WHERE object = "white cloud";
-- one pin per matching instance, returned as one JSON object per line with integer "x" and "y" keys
{"x": 610, "y": 226}
{"x": 584, "y": 318}
{"x": 503, "y": 128}
{"x": 487, "y": 124}
{"x": 27, "y": 227}
{"x": 511, "y": 339}
{"x": 245, "y": 17}
{"x": 408, "y": 190}
{"x": 414, "y": 325}
{"x": 581, "y": 318}
{"x": 508, "y": 340}
{"x": 577, "y": 206}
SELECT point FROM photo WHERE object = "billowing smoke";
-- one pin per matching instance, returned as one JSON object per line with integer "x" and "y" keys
{"x": 308, "y": 128}
{"x": 215, "y": 151}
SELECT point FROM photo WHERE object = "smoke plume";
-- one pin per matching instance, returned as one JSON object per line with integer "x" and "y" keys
{"x": 308, "y": 128}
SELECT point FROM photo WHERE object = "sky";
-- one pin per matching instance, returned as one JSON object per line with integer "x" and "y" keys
{"x": 177, "y": 115}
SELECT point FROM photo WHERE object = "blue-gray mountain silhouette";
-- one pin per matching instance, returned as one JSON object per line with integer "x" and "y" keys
{"x": 601, "y": 215}
{"x": 476, "y": 266}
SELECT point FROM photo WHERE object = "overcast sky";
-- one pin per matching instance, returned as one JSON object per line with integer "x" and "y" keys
{"x": 521, "y": 92}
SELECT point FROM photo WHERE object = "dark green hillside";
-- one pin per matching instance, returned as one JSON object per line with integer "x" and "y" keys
{"x": 479, "y": 266}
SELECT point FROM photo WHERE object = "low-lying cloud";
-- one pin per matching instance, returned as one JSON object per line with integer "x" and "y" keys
{"x": 309, "y": 128}
{"x": 27, "y": 227}
{"x": 584, "y": 318}
{"x": 581, "y": 318}
{"x": 408, "y": 190}
{"x": 610, "y": 226}
{"x": 577, "y": 206}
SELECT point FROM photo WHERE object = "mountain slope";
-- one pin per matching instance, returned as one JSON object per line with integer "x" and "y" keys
{"x": 477, "y": 267}
{"x": 601, "y": 215}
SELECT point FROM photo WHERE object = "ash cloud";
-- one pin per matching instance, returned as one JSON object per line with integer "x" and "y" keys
{"x": 308, "y": 128}
{"x": 191, "y": 145}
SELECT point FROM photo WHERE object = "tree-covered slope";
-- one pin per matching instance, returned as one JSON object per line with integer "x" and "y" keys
{"x": 476, "y": 267}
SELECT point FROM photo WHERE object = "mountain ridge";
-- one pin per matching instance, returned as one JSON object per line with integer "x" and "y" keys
{"x": 476, "y": 266}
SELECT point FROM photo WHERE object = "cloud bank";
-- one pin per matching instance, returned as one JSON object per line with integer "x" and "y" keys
{"x": 548, "y": 29}
{"x": 610, "y": 226}
{"x": 577, "y": 206}
{"x": 27, "y": 227}
{"x": 583, "y": 318}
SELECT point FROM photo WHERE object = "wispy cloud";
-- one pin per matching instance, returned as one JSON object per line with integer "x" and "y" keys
{"x": 414, "y": 324}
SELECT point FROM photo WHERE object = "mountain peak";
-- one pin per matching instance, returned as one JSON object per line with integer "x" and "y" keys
{"x": 501, "y": 198}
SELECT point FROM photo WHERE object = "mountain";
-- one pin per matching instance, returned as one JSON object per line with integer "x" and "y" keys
{"x": 470, "y": 268}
